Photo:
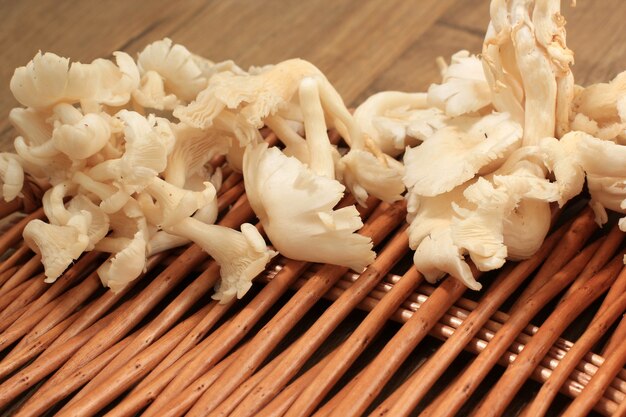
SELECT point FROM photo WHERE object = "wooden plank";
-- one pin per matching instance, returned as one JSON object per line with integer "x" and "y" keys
{"x": 352, "y": 42}
{"x": 416, "y": 69}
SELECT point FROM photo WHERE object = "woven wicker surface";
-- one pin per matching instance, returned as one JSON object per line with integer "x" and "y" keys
{"x": 303, "y": 338}
{"x": 74, "y": 349}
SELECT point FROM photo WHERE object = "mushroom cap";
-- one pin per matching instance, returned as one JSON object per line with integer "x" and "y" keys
{"x": 295, "y": 207}
{"x": 455, "y": 154}
{"x": 58, "y": 245}
{"x": 464, "y": 88}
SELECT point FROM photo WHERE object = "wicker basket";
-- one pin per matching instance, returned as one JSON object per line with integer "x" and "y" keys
{"x": 544, "y": 336}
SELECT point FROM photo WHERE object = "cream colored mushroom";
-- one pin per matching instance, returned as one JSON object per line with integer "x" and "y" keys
{"x": 455, "y": 154}
{"x": 295, "y": 207}
{"x": 58, "y": 246}
{"x": 464, "y": 88}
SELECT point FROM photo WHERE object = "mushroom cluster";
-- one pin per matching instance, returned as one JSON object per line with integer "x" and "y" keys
{"x": 501, "y": 137}
{"x": 125, "y": 147}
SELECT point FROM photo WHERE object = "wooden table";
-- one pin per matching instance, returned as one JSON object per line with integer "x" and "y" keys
{"x": 364, "y": 46}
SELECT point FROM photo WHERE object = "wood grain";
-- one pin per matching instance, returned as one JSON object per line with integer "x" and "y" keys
{"x": 363, "y": 46}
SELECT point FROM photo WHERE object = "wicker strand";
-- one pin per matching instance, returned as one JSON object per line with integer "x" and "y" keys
{"x": 581, "y": 229}
{"x": 12, "y": 236}
{"x": 151, "y": 386}
{"x": 33, "y": 289}
{"x": 23, "y": 274}
{"x": 39, "y": 308}
{"x": 64, "y": 306}
{"x": 281, "y": 403}
{"x": 613, "y": 240}
{"x": 516, "y": 374}
{"x": 13, "y": 259}
{"x": 96, "y": 399}
{"x": 616, "y": 339}
{"x": 396, "y": 351}
{"x": 145, "y": 301}
{"x": 469, "y": 381}
{"x": 197, "y": 289}
{"x": 89, "y": 323}
{"x": 355, "y": 345}
{"x": 550, "y": 388}
{"x": 425, "y": 377}
{"x": 448, "y": 326}
{"x": 282, "y": 322}
{"x": 582, "y": 405}
{"x": 162, "y": 375}
{"x": 317, "y": 333}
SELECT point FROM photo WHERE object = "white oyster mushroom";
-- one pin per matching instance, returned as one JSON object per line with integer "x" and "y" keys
{"x": 464, "y": 88}
{"x": 511, "y": 218}
{"x": 364, "y": 174}
{"x": 430, "y": 236}
{"x": 176, "y": 67}
{"x": 365, "y": 168}
{"x": 31, "y": 125}
{"x": 563, "y": 160}
{"x": 99, "y": 220}
{"x": 602, "y": 157}
{"x": 392, "y": 118}
{"x": 49, "y": 79}
{"x": 295, "y": 207}
{"x": 125, "y": 265}
{"x": 148, "y": 144}
{"x": 241, "y": 255}
{"x": 254, "y": 96}
{"x": 192, "y": 150}
{"x": 151, "y": 93}
{"x": 456, "y": 154}
{"x": 174, "y": 204}
{"x": 53, "y": 204}
{"x": 58, "y": 246}
{"x": 11, "y": 176}
{"x": 606, "y": 193}
{"x": 43, "y": 161}
{"x": 599, "y": 102}
{"x": 59, "y": 213}
{"x": 112, "y": 197}
{"x": 82, "y": 138}
{"x": 128, "y": 245}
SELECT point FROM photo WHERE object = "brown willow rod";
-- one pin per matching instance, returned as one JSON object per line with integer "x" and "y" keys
{"x": 323, "y": 327}
{"x": 91, "y": 404}
{"x": 584, "y": 344}
{"x": 152, "y": 331}
{"x": 152, "y": 385}
{"x": 581, "y": 229}
{"x": 283, "y": 321}
{"x": 141, "y": 305}
{"x": 23, "y": 274}
{"x": 382, "y": 368}
{"x": 502, "y": 393}
{"x": 416, "y": 387}
{"x": 582, "y": 405}
{"x": 355, "y": 344}
{"x": 12, "y": 236}
{"x": 14, "y": 258}
{"x": 193, "y": 292}
{"x": 35, "y": 310}
{"x": 468, "y": 382}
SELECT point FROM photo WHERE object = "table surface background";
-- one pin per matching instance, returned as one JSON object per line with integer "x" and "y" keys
{"x": 364, "y": 46}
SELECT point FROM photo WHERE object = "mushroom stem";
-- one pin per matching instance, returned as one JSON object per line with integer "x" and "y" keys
{"x": 320, "y": 151}
{"x": 295, "y": 143}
